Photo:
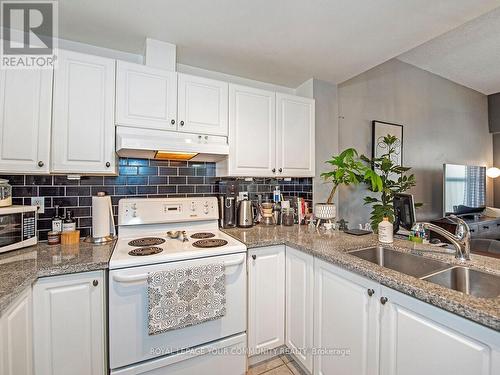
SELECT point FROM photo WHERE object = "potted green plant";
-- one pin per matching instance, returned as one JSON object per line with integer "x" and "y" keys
{"x": 392, "y": 180}
{"x": 347, "y": 169}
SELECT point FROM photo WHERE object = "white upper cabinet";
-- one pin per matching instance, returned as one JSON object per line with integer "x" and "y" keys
{"x": 69, "y": 324}
{"x": 417, "y": 338}
{"x": 252, "y": 132}
{"x": 146, "y": 97}
{"x": 299, "y": 305}
{"x": 83, "y": 133}
{"x": 294, "y": 136}
{"x": 202, "y": 105}
{"x": 266, "y": 298}
{"x": 25, "y": 116}
{"x": 270, "y": 134}
{"x": 346, "y": 317}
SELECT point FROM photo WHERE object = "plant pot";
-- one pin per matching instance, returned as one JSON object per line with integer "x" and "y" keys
{"x": 325, "y": 211}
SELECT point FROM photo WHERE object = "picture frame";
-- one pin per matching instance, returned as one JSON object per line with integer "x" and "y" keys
{"x": 379, "y": 130}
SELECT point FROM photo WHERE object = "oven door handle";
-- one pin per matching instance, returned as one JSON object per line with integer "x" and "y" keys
{"x": 144, "y": 276}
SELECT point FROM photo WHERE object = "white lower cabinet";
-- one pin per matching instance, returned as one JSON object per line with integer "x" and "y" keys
{"x": 266, "y": 298}
{"x": 417, "y": 338}
{"x": 69, "y": 324}
{"x": 16, "y": 340}
{"x": 338, "y": 322}
{"x": 346, "y": 323}
{"x": 299, "y": 305}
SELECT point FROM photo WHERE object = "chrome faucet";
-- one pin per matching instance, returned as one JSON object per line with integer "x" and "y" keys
{"x": 460, "y": 240}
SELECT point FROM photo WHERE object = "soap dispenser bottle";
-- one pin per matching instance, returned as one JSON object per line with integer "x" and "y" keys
{"x": 385, "y": 231}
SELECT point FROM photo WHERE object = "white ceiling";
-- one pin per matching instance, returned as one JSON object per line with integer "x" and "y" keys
{"x": 469, "y": 54}
{"x": 279, "y": 41}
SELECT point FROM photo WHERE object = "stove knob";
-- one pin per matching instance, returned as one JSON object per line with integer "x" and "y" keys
{"x": 193, "y": 207}
{"x": 205, "y": 210}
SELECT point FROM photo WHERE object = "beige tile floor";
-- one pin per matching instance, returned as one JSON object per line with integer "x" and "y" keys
{"x": 280, "y": 365}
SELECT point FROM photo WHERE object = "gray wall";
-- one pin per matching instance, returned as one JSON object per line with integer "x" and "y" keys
{"x": 494, "y": 112}
{"x": 494, "y": 120}
{"x": 327, "y": 131}
{"x": 496, "y": 163}
{"x": 327, "y": 135}
{"x": 443, "y": 123}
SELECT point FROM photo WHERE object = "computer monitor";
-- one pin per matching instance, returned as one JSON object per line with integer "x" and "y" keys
{"x": 404, "y": 210}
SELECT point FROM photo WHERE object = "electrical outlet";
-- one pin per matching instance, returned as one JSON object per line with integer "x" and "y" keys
{"x": 40, "y": 203}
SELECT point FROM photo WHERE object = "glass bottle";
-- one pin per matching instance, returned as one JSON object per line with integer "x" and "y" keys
{"x": 69, "y": 224}
{"x": 57, "y": 221}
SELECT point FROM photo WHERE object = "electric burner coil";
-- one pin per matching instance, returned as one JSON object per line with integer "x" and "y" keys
{"x": 211, "y": 242}
{"x": 143, "y": 251}
{"x": 146, "y": 241}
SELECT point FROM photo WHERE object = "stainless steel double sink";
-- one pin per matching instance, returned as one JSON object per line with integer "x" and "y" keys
{"x": 463, "y": 279}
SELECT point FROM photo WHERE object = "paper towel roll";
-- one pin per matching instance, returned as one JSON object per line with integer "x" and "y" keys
{"x": 102, "y": 217}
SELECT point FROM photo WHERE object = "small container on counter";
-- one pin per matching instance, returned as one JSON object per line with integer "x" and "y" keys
{"x": 288, "y": 217}
{"x": 70, "y": 237}
{"x": 54, "y": 238}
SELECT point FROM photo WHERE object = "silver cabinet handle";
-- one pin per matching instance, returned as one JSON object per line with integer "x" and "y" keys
{"x": 41, "y": 164}
{"x": 383, "y": 300}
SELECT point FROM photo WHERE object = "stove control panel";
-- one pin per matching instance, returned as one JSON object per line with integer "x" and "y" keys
{"x": 166, "y": 210}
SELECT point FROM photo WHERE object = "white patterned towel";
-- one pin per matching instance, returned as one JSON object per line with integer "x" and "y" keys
{"x": 185, "y": 296}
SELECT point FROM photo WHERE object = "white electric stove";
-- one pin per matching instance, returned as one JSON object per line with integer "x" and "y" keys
{"x": 165, "y": 234}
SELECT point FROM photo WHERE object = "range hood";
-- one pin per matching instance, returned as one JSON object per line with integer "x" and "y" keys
{"x": 164, "y": 144}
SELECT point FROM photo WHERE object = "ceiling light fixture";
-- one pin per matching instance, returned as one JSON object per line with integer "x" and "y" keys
{"x": 493, "y": 172}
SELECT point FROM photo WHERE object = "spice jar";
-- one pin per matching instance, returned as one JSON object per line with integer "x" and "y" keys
{"x": 54, "y": 238}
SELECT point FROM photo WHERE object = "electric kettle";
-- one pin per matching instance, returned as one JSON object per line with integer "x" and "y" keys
{"x": 245, "y": 214}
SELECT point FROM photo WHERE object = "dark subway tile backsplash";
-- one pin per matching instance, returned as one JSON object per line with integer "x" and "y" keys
{"x": 138, "y": 178}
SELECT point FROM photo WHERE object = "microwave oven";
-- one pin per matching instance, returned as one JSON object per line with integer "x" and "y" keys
{"x": 17, "y": 227}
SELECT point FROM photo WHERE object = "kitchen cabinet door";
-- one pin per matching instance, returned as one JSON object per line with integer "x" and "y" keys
{"x": 202, "y": 105}
{"x": 417, "y": 338}
{"x": 69, "y": 324}
{"x": 252, "y": 132}
{"x": 146, "y": 97}
{"x": 295, "y": 125}
{"x": 25, "y": 116}
{"x": 266, "y": 298}
{"x": 299, "y": 305}
{"x": 346, "y": 319}
{"x": 16, "y": 339}
{"x": 83, "y": 132}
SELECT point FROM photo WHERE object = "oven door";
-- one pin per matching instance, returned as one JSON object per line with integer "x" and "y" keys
{"x": 11, "y": 230}
{"x": 129, "y": 341}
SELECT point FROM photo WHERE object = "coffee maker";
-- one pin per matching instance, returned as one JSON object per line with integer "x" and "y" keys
{"x": 228, "y": 204}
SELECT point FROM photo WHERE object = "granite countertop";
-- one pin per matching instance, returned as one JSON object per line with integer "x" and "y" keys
{"x": 332, "y": 246}
{"x": 20, "y": 268}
